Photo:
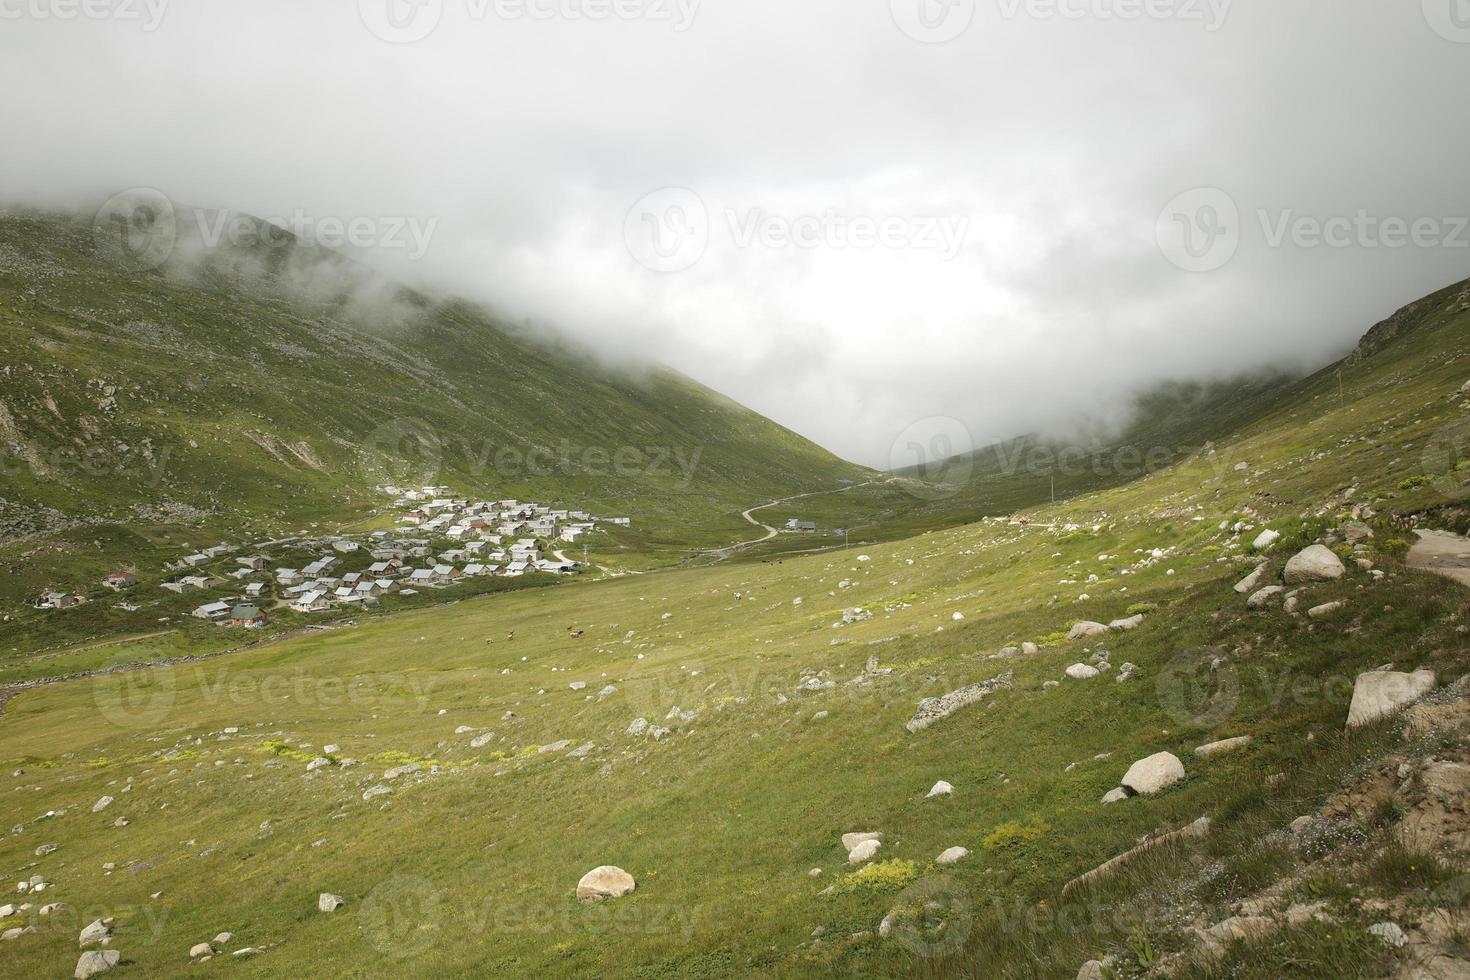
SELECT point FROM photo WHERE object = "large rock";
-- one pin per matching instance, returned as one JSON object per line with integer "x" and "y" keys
{"x": 95, "y": 961}
{"x": 849, "y": 841}
{"x": 1315, "y": 564}
{"x": 1085, "y": 629}
{"x": 941, "y": 788}
{"x": 1380, "y": 693}
{"x": 1154, "y": 773}
{"x": 952, "y": 855}
{"x": 604, "y": 882}
{"x": 1082, "y": 672}
{"x": 863, "y": 852}
{"x": 1124, "y": 625}
{"x": 327, "y": 902}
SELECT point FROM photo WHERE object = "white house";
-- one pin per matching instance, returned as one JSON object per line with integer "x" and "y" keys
{"x": 214, "y": 610}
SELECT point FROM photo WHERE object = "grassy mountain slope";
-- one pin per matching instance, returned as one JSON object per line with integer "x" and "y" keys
{"x": 264, "y": 385}
{"x": 782, "y": 738}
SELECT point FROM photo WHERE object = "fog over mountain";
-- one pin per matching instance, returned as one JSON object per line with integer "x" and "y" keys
{"x": 934, "y": 211}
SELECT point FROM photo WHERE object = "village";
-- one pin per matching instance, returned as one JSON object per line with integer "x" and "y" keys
{"x": 440, "y": 542}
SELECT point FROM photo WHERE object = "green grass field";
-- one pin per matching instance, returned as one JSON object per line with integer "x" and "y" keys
{"x": 468, "y": 866}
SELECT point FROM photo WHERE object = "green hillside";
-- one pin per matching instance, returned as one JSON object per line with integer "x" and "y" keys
{"x": 258, "y": 387}
{"x": 470, "y": 780}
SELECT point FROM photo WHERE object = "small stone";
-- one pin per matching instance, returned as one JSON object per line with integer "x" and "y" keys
{"x": 1390, "y": 933}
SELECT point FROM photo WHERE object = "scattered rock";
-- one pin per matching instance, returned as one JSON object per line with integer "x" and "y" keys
{"x": 1326, "y": 609}
{"x": 1222, "y": 746}
{"x": 1390, "y": 933}
{"x": 1317, "y": 563}
{"x": 603, "y": 883}
{"x": 931, "y": 710}
{"x": 201, "y": 949}
{"x": 849, "y": 841}
{"x": 1124, "y": 625}
{"x": 1115, "y": 796}
{"x": 96, "y": 933}
{"x": 1154, "y": 773}
{"x": 102, "y": 804}
{"x": 864, "y": 851}
{"x": 1380, "y": 693}
{"x": 952, "y": 855}
{"x": 1266, "y": 539}
{"x": 96, "y": 961}
{"x": 1263, "y": 597}
{"x": 1086, "y": 629}
{"x": 1082, "y": 672}
{"x": 1252, "y": 581}
{"x": 376, "y": 791}
{"x": 327, "y": 902}
{"x": 941, "y": 788}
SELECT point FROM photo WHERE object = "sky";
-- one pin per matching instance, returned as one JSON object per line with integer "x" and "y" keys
{"x": 885, "y": 224}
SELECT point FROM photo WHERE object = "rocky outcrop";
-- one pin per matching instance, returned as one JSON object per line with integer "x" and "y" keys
{"x": 931, "y": 710}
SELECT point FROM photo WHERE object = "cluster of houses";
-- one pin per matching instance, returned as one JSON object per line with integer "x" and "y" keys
{"x": 443, "y": 541}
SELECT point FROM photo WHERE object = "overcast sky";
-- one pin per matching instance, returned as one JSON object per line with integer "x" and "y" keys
{"x": 855, "y": 216}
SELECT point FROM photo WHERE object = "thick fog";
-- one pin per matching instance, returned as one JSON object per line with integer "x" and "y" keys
{"x": 855, "y": 216}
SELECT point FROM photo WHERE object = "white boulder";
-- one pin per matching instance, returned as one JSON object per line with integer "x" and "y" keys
{"x": 1082, "y": 672}
{"x": 327, "y": 902}
{"x": 952, "y": 855}
{"x": 603, "y": 883}
{"x": 1085, "y": 629}
{"x": 863, "y": 852}
{"x": 1266, "y": 539}
{"x": 95, "y": 961}
{"x": 941, "y": 788}
{"x": 1154, "y": 773}
{"x": 1315, "y": 564}
{"x": 1380, "y": 693}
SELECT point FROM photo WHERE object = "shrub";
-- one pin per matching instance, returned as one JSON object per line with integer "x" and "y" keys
{"x": 1140, "y": 608}
{"x": 884, "y": 876}
{"x": 1014, "y": 833}
{"x": 1414, "y": 482}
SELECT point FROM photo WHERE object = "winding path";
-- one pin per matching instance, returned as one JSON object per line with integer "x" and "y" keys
{"x": 771, "y": 532}
{"x": 1442, "y": 553}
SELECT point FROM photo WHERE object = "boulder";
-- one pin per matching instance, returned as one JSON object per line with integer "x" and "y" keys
{"x": 1115, "y": 796}
{"x": 327, "y": 902}
{"x": 952, "y": 855}
{"x": 1252, "y": 581}
{"x": 1326, "y": 609}
{"x": 1085, "y": 629}
{"x": 201, "y": 949}
{"x": 1315, "y": 564}
{"x": 941, "y": 788}
{"x": 1222, "y": 746}
{"x": 931, "y": 710}
{"x": 1262, "y": 598}
{"x": 1082, "y": 672}
{"x": 849, "y": 841}
{"x": 1380, "y": 693}
{"x": 1030, "y": 649}
{"x": 102, "y": 804}
{"x": 1266, "y": 539}
{"x": 604, "y": 883}
{"x": 1390, "y": 933}
{"x": 96, "y": 933}
{"x": 863, "y": 852}
{"x": 95, "y": 961}
{"x": 1123, "y": 625}
{"x": 1154, "y": 773}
